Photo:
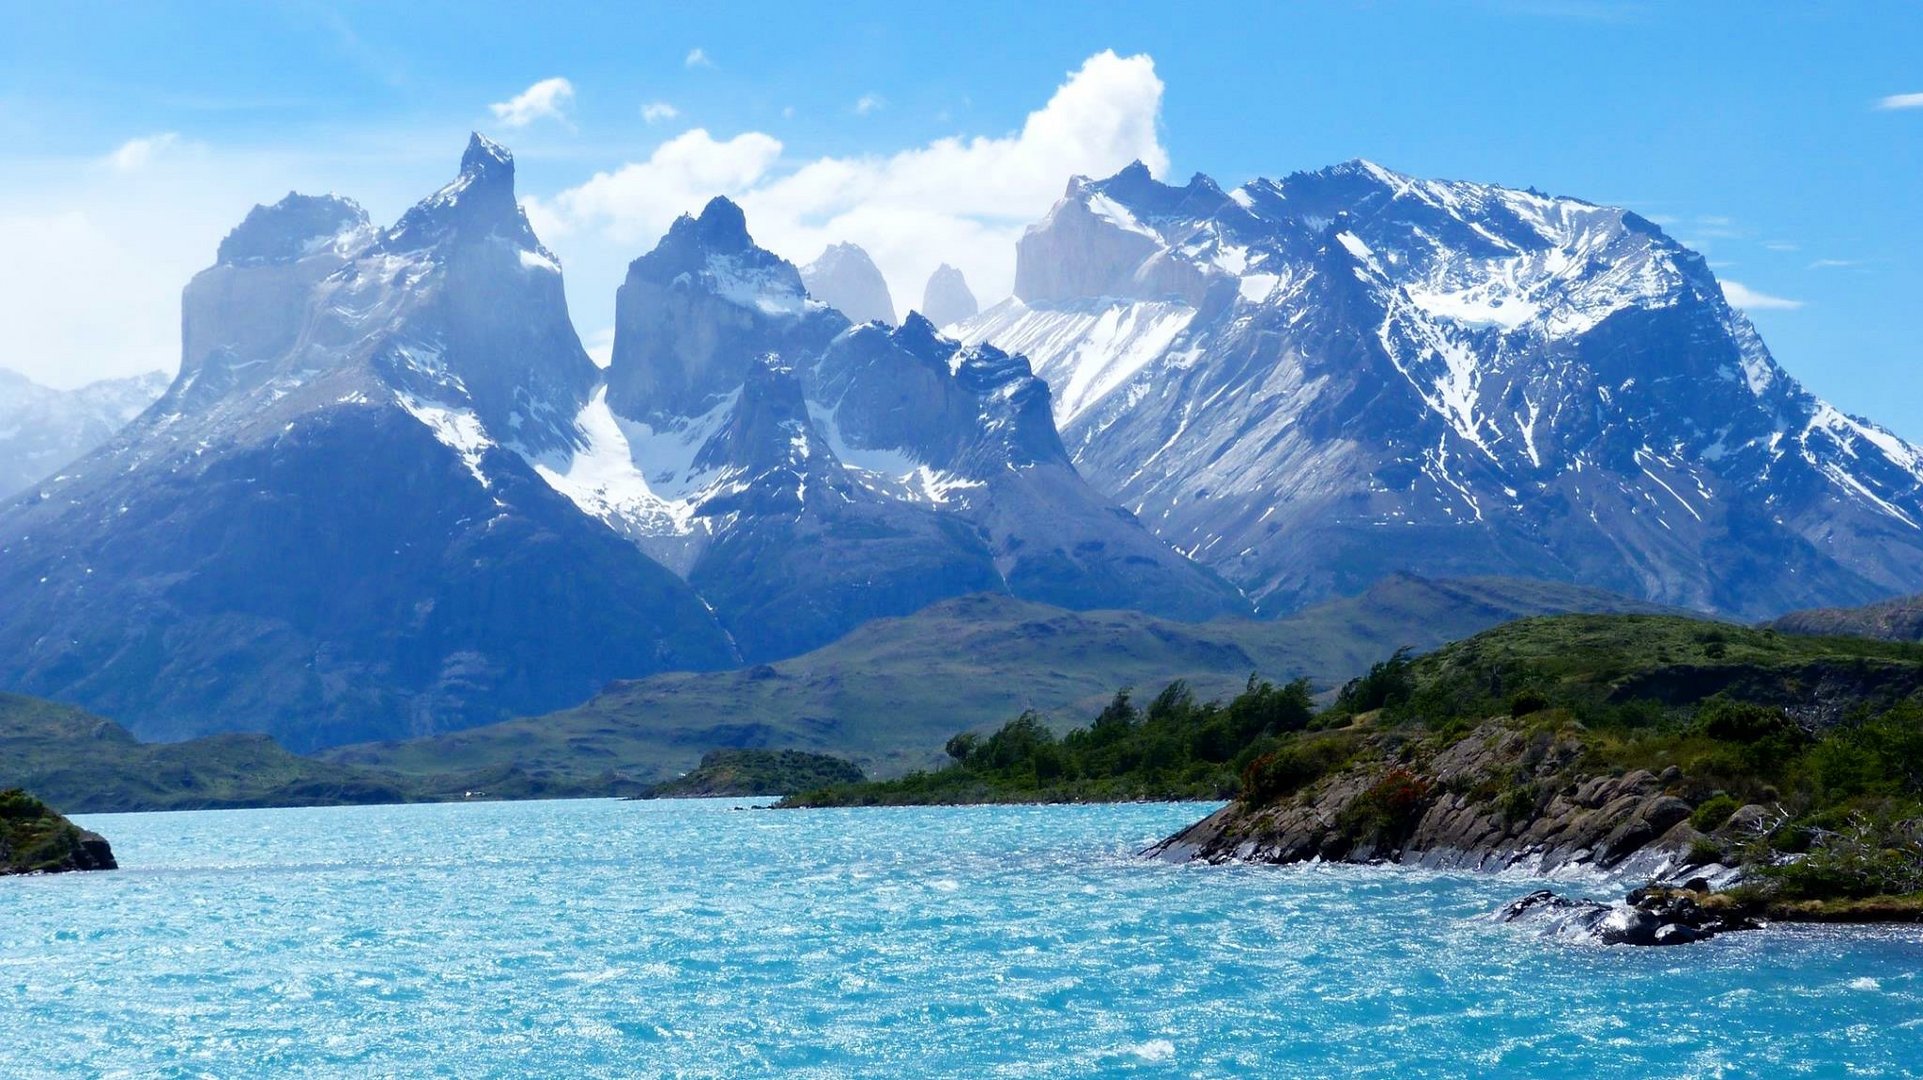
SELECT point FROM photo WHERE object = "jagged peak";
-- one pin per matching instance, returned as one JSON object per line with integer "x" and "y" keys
{"x": 484, "y": 156}
{"x": 721, "y": 228}
{"x": 843, "y": 250}
{"x": 296, "y": 226}
{"x": 477, "y": 203}
{"x": 1138, "y": 191}
{"x": 918, "y": 334}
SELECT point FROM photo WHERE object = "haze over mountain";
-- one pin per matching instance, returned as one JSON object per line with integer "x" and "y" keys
{"x": 1309, "y": 383}
{"x": 317, "y": 532}
{"x": 42, "y": 429}
{"x": 845, "y": 278}
{"x": 947, "y": 299}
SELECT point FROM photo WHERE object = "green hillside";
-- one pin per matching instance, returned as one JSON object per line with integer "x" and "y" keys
{"x": 891, "y": 693}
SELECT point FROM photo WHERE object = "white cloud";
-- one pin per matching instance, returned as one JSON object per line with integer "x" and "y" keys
{"x": 1742, "y": 296}
{"x": 656, "y": 111}
{"x": 547, "y": 99}
{"x": 90, "y": 286}
{"x": 638, "y": 201}
{"x": 138, "y": 153}
{"x": 1901, "y": 101}
{"x": 697, "y": 58}
{"x": 868, "y": 103}
{"x": 1832, "y": 264}
{"x": 963, "y": 201}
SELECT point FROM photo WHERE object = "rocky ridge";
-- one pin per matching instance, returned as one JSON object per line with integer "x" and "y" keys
{"x": 1309, "y": 382}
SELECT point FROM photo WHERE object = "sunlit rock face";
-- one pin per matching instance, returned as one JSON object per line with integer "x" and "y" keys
{"x": 807, "y": 473}
{"x": 1313, "y": 382}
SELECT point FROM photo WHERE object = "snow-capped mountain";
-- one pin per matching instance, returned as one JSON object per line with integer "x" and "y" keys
{"x": 806, "y": 474}
{"x": 947, "y": 299}
{"x": 327, "y": 528}
{"x": 1310, "y": 383}
{"x": 846, "y": 279}
{"x": 42, "y": 429}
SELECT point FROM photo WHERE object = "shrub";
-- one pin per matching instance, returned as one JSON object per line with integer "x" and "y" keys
{"x": 1524, "y": 702}
{"x": 1291, "y": 767}
{"x": 1389, "y": 808}
{"x": 1518, "y": 802}
{"x": 1388, "y": 682}
{"x": 1713, "y": 812}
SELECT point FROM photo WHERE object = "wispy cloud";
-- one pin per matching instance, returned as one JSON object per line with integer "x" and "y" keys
{"x": 656, "y": 111}
{"x": 547, "y": 99}
{"x": 1782, "y": 245}
{"x": 1833, "y": 264}
{"x": 697, "y": 58}
{"x": 1901, "y": 101}
{"x": 868, "y": 103}
{"x": 137, "y": 153}
{"x": 1742, "y": 296}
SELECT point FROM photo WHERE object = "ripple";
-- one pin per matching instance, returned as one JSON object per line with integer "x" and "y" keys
{"x": 609, "y": 939}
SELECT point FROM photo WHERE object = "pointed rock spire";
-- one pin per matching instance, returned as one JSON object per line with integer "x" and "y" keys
{"x": 948, "y": 299}
{"x": 846, "y": 279}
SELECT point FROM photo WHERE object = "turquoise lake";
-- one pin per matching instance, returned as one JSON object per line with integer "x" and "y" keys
{"x": 698, "y": 939}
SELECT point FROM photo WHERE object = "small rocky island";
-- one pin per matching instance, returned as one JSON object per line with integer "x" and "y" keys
{"x": 36, "y": 840}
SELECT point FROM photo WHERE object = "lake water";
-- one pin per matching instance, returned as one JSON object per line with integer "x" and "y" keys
{"x": 690, "y": 939}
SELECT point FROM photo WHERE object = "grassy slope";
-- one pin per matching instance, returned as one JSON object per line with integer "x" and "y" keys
{"x": 1900, "y": 619}
{"x": 1621, "y": 672}
{"x": 889, "y": 694}
{"x": 89, "y": 765}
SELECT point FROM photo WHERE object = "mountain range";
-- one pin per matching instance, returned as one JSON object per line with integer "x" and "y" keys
{"x": 390, "y": 496}
{"x": 1310, "y": 382}
{"x": 42, "y": 429}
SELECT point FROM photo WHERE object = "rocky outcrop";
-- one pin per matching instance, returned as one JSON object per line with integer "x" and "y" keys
{"x": 36, "y": 840}
{"x": 948, "y": 299}
{"x": 1498, "y": 799}
{"x": 1648, "y": 916}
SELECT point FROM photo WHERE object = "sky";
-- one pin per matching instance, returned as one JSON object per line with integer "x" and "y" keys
{"x": 1784, "y": 141}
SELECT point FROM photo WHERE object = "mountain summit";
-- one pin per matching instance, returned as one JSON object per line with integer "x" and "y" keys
{"x": 807, "y": 474}
{"x": 845, "y": 278}
{"x": 326, "y": 528}
{"x": 1314, "y": 382}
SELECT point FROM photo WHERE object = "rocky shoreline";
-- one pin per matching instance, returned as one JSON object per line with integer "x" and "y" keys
{"x": 36, "y": 840}
{"x": 1508, "y": 798}
{"x": 1498, "y": 799}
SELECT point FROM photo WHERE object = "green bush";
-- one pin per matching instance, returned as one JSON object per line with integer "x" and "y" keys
{"x": 1387, "y": 683}
{"x": 1713, "y": 812}
{"x": 1524, "y": 702}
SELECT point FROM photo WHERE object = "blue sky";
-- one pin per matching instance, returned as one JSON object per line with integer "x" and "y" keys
{"x": 132, "y": 138}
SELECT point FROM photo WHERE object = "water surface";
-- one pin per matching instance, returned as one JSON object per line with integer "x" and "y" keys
{"x": 692, "y": 939}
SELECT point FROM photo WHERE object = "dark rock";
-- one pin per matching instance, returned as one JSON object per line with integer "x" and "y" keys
{"x": 1652, "y": 916}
